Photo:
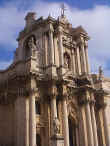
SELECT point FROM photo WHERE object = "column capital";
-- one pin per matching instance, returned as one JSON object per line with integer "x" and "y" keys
{"x": 60, "y": 30}
{"x": 50, "y": 27}
{"x": 53, "y": 92}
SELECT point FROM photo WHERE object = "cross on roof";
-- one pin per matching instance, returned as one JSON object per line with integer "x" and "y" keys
{"x": 63, "y": 9}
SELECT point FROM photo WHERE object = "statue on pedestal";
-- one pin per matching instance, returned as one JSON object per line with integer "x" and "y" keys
{"x": 56, "y": 125}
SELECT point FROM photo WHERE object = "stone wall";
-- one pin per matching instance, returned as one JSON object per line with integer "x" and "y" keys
{"x": 7, "y": 125}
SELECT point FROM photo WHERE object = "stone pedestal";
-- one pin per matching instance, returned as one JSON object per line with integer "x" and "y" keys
{"x": 57, "y": 140}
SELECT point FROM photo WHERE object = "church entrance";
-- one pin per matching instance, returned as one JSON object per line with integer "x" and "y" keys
{"x": 72, "y": 133}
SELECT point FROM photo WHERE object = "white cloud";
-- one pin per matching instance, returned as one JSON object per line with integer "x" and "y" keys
{"x": 11, "y": 21}
{"x": 96, "y": 21}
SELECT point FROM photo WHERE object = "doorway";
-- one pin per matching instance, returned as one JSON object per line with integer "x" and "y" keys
{"x": 72, "y": 133}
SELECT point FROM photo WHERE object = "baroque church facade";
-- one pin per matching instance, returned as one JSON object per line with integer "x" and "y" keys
{"x": 48, "y": 95}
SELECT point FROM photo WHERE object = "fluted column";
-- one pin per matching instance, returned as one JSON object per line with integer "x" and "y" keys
{"x": 26, "y": 122}
{"x": 65, "y": 122}
{"x": 73, "y": 62}
{"x": 53, "y": 95}
{"x": 86, "y": 57}
{"x": 51, "y": 45}
{"x": 61, "y": 51}
{"x": 106, "y": 129}
{"x": 77, "y": 137}
{"x": 32, "y": 120}
{"x": 88, "y": 120}
{"x": 94, "y": 126}
{"x": 78, "y": 61}
{"x": 83, "y": 59}
{"x": 46, "y": 50}
{"x": 83, "y": 126}
{"x": 53, "y": 112}
{"x": 53, "y": 107}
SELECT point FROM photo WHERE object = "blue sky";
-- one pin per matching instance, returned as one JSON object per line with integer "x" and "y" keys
{"x": 93, "y": 15}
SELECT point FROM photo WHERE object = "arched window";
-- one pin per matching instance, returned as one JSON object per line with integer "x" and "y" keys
{"x": 38, "y": 108}
{"x": 67, "y": 60}
{"x": 38, "y": 140}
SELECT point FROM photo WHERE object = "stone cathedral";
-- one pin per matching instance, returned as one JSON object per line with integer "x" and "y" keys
{"x": 48, "y": 96}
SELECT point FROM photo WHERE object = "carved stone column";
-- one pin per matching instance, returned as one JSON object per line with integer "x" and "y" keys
{"x": 77, "y": 137}
{"x": 65, "y": 117}
{"x": 26, "y": 122}
{"x": 53, "y": 112}
{"x": 82, "y": 126}
{"x": 94, "y": 126}
{"x": 32, "y": 119}
{"x": 51, "y": 45}
{"x": 61, "y": 51}
{"x": 88, "y": 120}
{"x": 53, "y": 94}
{"x": 65, "y": 123}
{"x": 87, "y": 58}
{"x": 78, "y": 61}
{"x": 57, "y": 139}
{"x": 106, "y": 129}
{"x": 53, "y": 106}
{"x": 83, "y": 58}
{"x": 73, "y": 62}
{"x": 46, "y": 50}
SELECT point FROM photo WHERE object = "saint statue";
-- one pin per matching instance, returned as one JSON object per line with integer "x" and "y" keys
{"x": 56, "y": 125}
{"x": 32, "y": 45}
{"x": 66, "y": 61}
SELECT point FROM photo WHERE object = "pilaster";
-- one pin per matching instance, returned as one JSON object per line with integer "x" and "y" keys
{"x": 32, "y": 119}
{"x": 51, "y": 45}
{"x": 89, "y": 121}
{"x": 78, "y": 61}
{"x": 106, "y": 129}
{"x": 86, "y": 57}
{"x": 94, "y": 126}
{"x": 65, "y": 116}
{"x": 73, "y": 62}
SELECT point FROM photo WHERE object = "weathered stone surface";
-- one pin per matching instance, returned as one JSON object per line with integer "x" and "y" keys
{"x": 48, "y": 95}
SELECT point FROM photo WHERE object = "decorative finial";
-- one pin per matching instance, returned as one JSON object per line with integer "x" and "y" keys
{"x": 49, "y": 14}
{"x": 63, "y": 9}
